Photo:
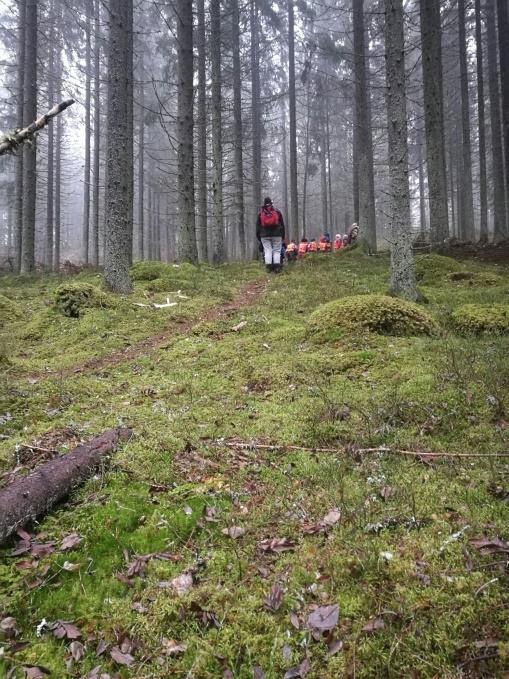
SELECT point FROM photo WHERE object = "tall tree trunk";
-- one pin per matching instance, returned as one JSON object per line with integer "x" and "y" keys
{"x": 422, "y": 194}
{"x": 48, "y": 246}
{"x": 150, "y": 244}
{"x": 129, "y": 49}
{"x": 58, "y": 162}
{"x": 284, "y": 159}
{"x": 402, "y": 266}
{"x": 467, "y": 202}
{"x": 355, "y": 175}
{"x": 94, "y": 245}
{"x": 367, "y": 220}
{"x": 294, "y": 194}
{"x": 499, "y": 204}
{"x": 434, "y": 118}
{"x": 29, "y": 150}
{"x": 237, "y": 131}
{"x": 482, "y": 134}
{"x": 141, "y": 163}
{"x": 255, "y": 108}
{"x": 185, "y": 130}
{"x": 217, "y": 143}
{"x": 306, "y": 162}
{"x": 20, "y": 93}
{"x": 118, "y": 151}
{"x": 89, "y": 8}
{"x": 201, "y": 128}
{"x": 503, "y": 50}
{"x": 329, "y": 166}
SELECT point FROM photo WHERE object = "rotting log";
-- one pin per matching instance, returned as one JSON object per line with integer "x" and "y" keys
{"x": 10, "y": 142}
{"x": 35, "y": 494}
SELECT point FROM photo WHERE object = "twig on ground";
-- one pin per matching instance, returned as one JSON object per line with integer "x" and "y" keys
{"x": 362, "y": 451}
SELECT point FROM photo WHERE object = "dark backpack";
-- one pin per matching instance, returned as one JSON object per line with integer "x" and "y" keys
{"x": 269, "y": 217}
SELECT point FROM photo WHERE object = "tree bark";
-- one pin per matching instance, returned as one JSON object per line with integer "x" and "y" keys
{"x": 255, "y": 108}
{"x": 217, "y": 143}
{"x": 141, "y": 163}
{"x": 201, "y": 128}
{"x": 86, "y": 175}
{"x": 20, "y": 92}
{"x": 503, "y": 50}
{"x": 483, "y": 196}
{"x": 434, "y": 118}
{"x": 284, "y": 158}
{"x": 94, "y": 245}
{"x": 34, "y": 495}
{"x": 467, "y": 202}
{"x": 118, "y": 236}
{"x": 185, "y": 130}
{"x": 58, "y": 163}
{"x": 499, "y": 204}
{"x": 29, "y": 150}
{"x": 402, "y": 266}
{"x": 48, "y": 246}
{"x": 367, "y": 220}
{"x": 294, "y": 193}
{"x": 422, "y": 193}
{"x": 238, "y": 131}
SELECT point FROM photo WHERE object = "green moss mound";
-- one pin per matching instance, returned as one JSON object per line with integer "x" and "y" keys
{"x": 72, "y": 298}
{"x": 150, "y": 271}
{"x": 375, "y": 313}
{"x": 486, "y": 318}
{"x": 9, "y": 311}
{"x": 434, "y": 268}
{"x": 479, "y": 279}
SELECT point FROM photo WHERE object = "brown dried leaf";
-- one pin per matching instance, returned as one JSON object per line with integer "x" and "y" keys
{"x": 101, "y": 647}
{"x": 9, "y": 627}
{"x": 42, "y": 548}
{"x": 234, "y": 532}
{"x": 295, "y": 620}
{"x": 490, "y": 545}
{"x": 277, "y": 545}
{"x": 35, "y": 671}
{"x": 171, "y": 647}
{"x": 334, "y": 646}
{"x": 121, "y": 658}
{"x": 77, "y": 650}
{"x": 182, "y": 583}
{"x": 274, "y": 598}
{"x": 26, "y": 564}
{"x": 374, "y": 624}
{"x": 387, "y": 492}
{"x": 298, "y": 671}
{"x": 70, "y": 541}
{"x": 71, "y": 567}
{"x": 258, "y": 673}
{"x": 323, "y": 618}
{"x": 138, "y": 607}
{"x": 65, "y": 630}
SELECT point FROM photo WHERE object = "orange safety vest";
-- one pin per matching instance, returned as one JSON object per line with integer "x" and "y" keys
{"x": 313, "y": 247}
{"x": 323, "y": 246}
{"x": 328, "y": 246}
{"x": 303, "y": 248}
{"x": 291, "y": 247}
{"x": 338, "y": 244}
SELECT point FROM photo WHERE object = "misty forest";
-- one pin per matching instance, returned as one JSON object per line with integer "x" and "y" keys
{"x": 254, "y": 329}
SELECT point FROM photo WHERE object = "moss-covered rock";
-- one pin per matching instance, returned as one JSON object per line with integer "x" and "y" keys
{"x": 9, "y": 311}
{"x": 434, "y": 268}
{"x": 72, "y": 298}
{"x": 477, "y": 318}
{"x": 375, "y": 313}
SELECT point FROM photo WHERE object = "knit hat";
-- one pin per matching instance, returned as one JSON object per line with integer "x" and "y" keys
{"x": 267, "y": 201}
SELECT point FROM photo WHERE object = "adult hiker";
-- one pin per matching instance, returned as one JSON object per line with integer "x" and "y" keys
{"x": 270, "y": 231}
{"x": 353, "y": 234}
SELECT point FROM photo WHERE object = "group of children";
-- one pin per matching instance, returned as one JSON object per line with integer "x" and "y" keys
{"x": 294, "y": 250}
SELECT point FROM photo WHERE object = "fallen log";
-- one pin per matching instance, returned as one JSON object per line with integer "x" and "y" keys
{"x": 10, "y": 142}
{"x": 35, "y": 494}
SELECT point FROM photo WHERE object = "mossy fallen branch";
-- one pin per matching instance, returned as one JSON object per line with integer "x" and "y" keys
{"x": 34, "y": 495}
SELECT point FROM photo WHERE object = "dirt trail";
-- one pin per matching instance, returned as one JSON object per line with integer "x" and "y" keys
{"x": 246, "y": 296}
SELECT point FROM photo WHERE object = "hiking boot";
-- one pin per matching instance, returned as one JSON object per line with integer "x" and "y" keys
{"x": 269, "y": 267}
{"x": 278, "y": 268}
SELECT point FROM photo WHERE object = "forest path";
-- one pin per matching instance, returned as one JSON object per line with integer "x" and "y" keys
{"x": 245, "y": 297}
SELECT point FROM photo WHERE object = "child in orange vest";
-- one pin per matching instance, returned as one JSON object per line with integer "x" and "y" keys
{"x": 303, "y": 248}
{"x": 313, "y": 246}
{"x": 338, "y": 242}
{"x": 291, "y": 251}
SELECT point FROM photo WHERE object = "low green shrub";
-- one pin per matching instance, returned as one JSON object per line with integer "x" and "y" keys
{"x": 375, "y": 313}
{"x": 433, "y": 268}
{"x": 72, "y": 298}
{"x": 487, "y": 318}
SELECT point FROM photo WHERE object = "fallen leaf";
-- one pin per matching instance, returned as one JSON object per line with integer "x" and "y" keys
{"x": 121, "y": 658}
{"x": 322, "y": 526}
{"x": 239, "y": 326}
{"x": 35, "y": 671}
{"x": 374, "y": 624}
{"x": 323, "y": 618}
{"x": 258, "y": 673}
{"x": 334, "y": 646}
{"x": 295, "y": 620}
{"x": 274, "y": 598}
{"x": 276, "y": 545}
{"x": 387, "y": 492}
{"x": 182, "y": 583}
{"x": 486, "y": 643}
{"x": 171, "y": 647}
{"x": 138, "y": 607}
{"x": 71, "y": 567}
{"x": 65, "y": 630}
{"x": 210, "y": 514}
{"x": 137, "y": 566}
{"x": 101, "y": 647}
{"x": 9, "y": 627}
{"x": 490, "y": 545}
{"x": 27, "y": 564}
{"x": 205, "y": 617}
{"x": 77, "y": 650}
{"x": 234, "y": 532}
{"x": 298, "y": 671}
{"x": 287, "y": 652}
{"x": 42, "y": 549}
{"x": 70, "y": 542}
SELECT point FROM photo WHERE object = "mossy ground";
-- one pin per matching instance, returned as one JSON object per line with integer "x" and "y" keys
{"x": 269, "y": 382}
